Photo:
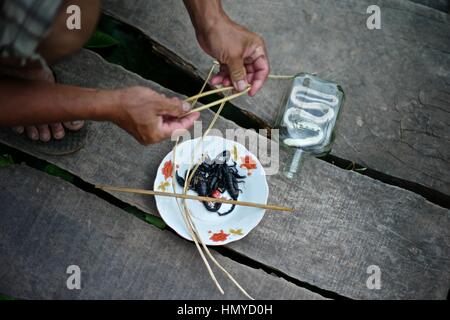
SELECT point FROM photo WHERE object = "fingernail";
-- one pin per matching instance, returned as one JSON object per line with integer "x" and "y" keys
{"x": 186, "y": 106}
{"x": 34, "y": 136}
{"x": 76, "y": 123}
{"x": 241, "y": 84}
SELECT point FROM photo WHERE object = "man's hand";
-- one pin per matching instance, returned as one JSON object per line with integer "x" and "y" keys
{"x": 241, "y": 53}
{"x": 151, "y": 117}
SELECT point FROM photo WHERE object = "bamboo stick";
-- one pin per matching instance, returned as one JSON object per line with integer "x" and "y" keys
{"x": 281, "y": 77}
{"x": 215, "y": 103}
{"x": 208, "y": 93}
{"x": 192, "y": 197}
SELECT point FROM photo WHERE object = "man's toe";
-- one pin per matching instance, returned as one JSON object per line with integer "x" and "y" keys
{"x": 57, "y": 131}
{"x": 44, "y": 133}
{"x": 74, "y": 125}
{"x": 32, "y": 133}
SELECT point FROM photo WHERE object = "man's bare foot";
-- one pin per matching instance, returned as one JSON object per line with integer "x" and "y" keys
{"x": 41, "y": 132}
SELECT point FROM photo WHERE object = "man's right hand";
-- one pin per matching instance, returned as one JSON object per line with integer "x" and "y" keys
{"x": 149, "y": 116}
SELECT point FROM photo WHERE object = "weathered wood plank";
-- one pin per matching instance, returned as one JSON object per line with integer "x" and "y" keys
{"x": 344, "y": 222}
{"x": 47, "y": 225}
{"x": 442, "y": 5}
{"x": 385, "y": 125}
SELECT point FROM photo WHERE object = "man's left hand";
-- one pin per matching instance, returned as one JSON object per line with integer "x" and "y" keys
{"x": 241, "y": 53}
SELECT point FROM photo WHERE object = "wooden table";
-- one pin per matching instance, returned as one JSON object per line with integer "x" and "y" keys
{"x": 344, "y": 222}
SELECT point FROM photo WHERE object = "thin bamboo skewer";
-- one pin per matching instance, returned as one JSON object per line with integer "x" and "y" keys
{"x": 215, "y": 63}
{"x": 224, "y": 89}
{"x": 215, "y": 103}
{"x": 208, "y": 93}
{"x": 280, "y": 77}
{"x": 193, "y": 197}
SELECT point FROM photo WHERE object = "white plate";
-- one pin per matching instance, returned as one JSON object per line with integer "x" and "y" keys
{"x": 214, "y": 230}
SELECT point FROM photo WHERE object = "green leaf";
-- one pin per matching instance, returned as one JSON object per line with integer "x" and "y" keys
{"x": 101, "y": 40}
{"x": 6, "y": 160}
{"x": 58, "y": 172}
{"x": 155, "y": 221}
{"x": 3, "y": 297}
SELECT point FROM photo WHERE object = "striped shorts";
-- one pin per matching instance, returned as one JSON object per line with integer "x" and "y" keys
{"x": 23, "y": 25}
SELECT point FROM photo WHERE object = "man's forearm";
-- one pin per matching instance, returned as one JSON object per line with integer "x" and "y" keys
{"x": 25, "y": 102}
{"x": 204, "y": 13}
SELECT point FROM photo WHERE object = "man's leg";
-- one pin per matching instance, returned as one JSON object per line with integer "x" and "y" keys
{"x": 59, "y": 43}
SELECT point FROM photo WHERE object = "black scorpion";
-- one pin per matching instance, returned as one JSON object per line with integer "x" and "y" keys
{"x": 213, "y": 176}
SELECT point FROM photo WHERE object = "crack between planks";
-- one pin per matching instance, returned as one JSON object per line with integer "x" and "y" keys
{"x": 254, "y": 264}
{"x": 21, "y": 157}
{"x": 433, "y": 196}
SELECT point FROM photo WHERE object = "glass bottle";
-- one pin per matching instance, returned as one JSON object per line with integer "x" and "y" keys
{"x": 307, "y": 119}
